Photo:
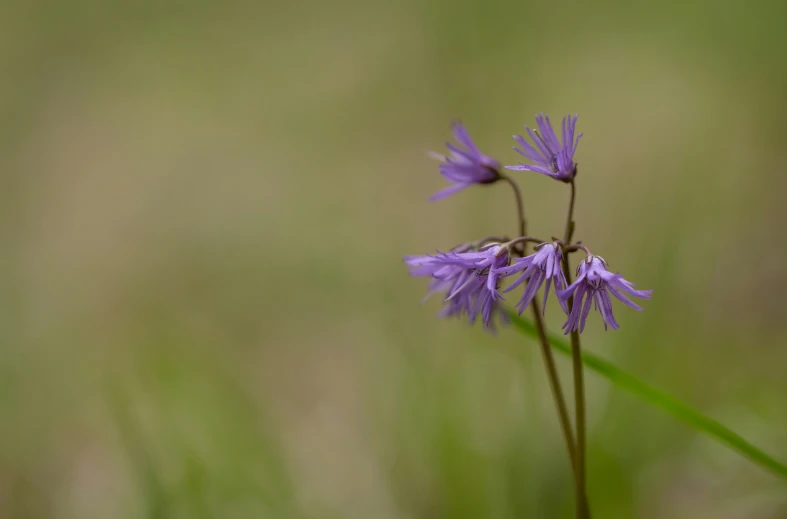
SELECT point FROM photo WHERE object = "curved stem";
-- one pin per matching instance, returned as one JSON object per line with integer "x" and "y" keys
{"x": 575, "y": 248}
{"x": 554, "y": 385}
{"x": 490, "y": 239}
{"x": 583, "y": 510}
{"x": 570, "y": 221}
{"x": 525, "y": 239}
{"x": 549, "y": 360}
{"x": 583, "y": 507}
{"x": 520, "y": 206}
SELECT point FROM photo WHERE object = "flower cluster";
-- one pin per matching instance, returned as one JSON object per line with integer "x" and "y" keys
{"x": 469, "y": 276}
{"x": 469, "y": 280}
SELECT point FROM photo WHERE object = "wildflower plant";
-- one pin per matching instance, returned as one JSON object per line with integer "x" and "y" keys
{"x": 469, "y": 276}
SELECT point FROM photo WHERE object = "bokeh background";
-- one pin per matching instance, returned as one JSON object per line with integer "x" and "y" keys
{"x": 204, "y": 312}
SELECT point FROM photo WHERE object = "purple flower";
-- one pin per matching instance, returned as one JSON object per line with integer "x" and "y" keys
{"x": 465, "y": 166}
{"x": 594, "y": 284}
{"x": 543, "y": 265}
{"x": 468, "y": 279}
{"x": 551, "y": 158}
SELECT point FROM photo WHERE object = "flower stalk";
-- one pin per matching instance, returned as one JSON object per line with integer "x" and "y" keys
{"x": 520, "y": 206}
{"x": 583, "y": 507}
{"x": 470, "y": 274}
{"x": 546, "y": 352}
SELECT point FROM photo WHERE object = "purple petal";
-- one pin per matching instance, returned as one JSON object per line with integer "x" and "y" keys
{"x": 521, "y": 279}
{"x": 519, "y": 265}
{"x": 546, "y": 153}
{"x": 527, "y": 151}
{"x": 605, "y": 307}
{"x": 585, "y": 310}
{"x": 563, "y": 295}
{"x": 563, "y": 305}
{"x": 530, "y": 291}
{"x": 545, "y": 125}
{"x": 573, "y": 318}
{"x": 448, "y": 191}
{"x": 546, "y": 294}
{"x": 627, "y": 287}
{"x": 550, "y": 265}
{"x": 463, "y": 137}
{"x": 623, "y": 299}
{"x": 417, "y": 261}
{"x": 526, "y": 274}
{"x": 460, "y": 153}
{"x": 566, "y": 129}
{"x": 539, "y": 169}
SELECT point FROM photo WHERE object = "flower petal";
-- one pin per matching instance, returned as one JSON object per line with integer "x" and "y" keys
{"x": 463, "y": 137}
{"x": 527, "y": 151}
{"x": 573, "y": 318}
{"x": 605, "y": 307}
{"x": 563, "y": 295}
{"x": 532, "y": 287}
{"x": 448, "y": 191}
{"x": 546, "y": 294}
{"x": 623, "y": 299}
{"x": 585, "y": 310}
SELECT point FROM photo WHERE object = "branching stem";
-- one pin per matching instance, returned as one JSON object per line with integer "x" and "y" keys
{"x": 546, "y": 350}
{"x": 583, "y": 507}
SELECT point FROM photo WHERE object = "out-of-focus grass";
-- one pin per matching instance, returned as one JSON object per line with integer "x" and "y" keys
{"x": 620, "y": 379}
{"x": 204, "y": 312}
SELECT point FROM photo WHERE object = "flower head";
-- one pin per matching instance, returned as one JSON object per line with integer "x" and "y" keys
{"x": 594, "y": 284}
{"x": 550, "y": 156}
{"x": 465, "y": 165}
{"x": 543, "y": 265}
{"x": 468, "y": 279}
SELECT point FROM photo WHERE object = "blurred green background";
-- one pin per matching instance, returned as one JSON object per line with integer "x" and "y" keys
{"x": 204, "y": 208}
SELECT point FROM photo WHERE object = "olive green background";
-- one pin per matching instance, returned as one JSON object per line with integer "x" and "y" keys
{"x": 203, "y": 308}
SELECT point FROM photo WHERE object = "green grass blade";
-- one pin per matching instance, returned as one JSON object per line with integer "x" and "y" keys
{"x": 658, "y": 398}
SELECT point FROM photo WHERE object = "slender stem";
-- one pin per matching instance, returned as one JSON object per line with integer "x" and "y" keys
{"x": 520, "y": 206}
{"x": 484, "y": 241}
{"x": 583, "y": 507}
{"x": 525, "y": 239}
{"x": 574, "y": 248}
{"x": 570, "y": 220}
{"x": 579, "y": 396}
{"x": 554, "y": 384}
{"x": 583, "y": 511}
{"x": 549, "y": 360}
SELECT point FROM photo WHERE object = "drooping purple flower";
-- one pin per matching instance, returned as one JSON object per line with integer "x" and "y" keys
{"x": 465, "y": 165}
{"x": 469, "y": 280}
{"x": 594, "y": 284}
{"x": 544, "y": 264}
{"x": 550, "y": 156}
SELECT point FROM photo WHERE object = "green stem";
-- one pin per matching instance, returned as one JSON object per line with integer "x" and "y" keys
{"x": 554, "y": 384}
{"x": 546, "y": 350}
{"x": 520, "y": 206}
{"x": 583, "y": 507}
{"x": 570, "y": 221}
